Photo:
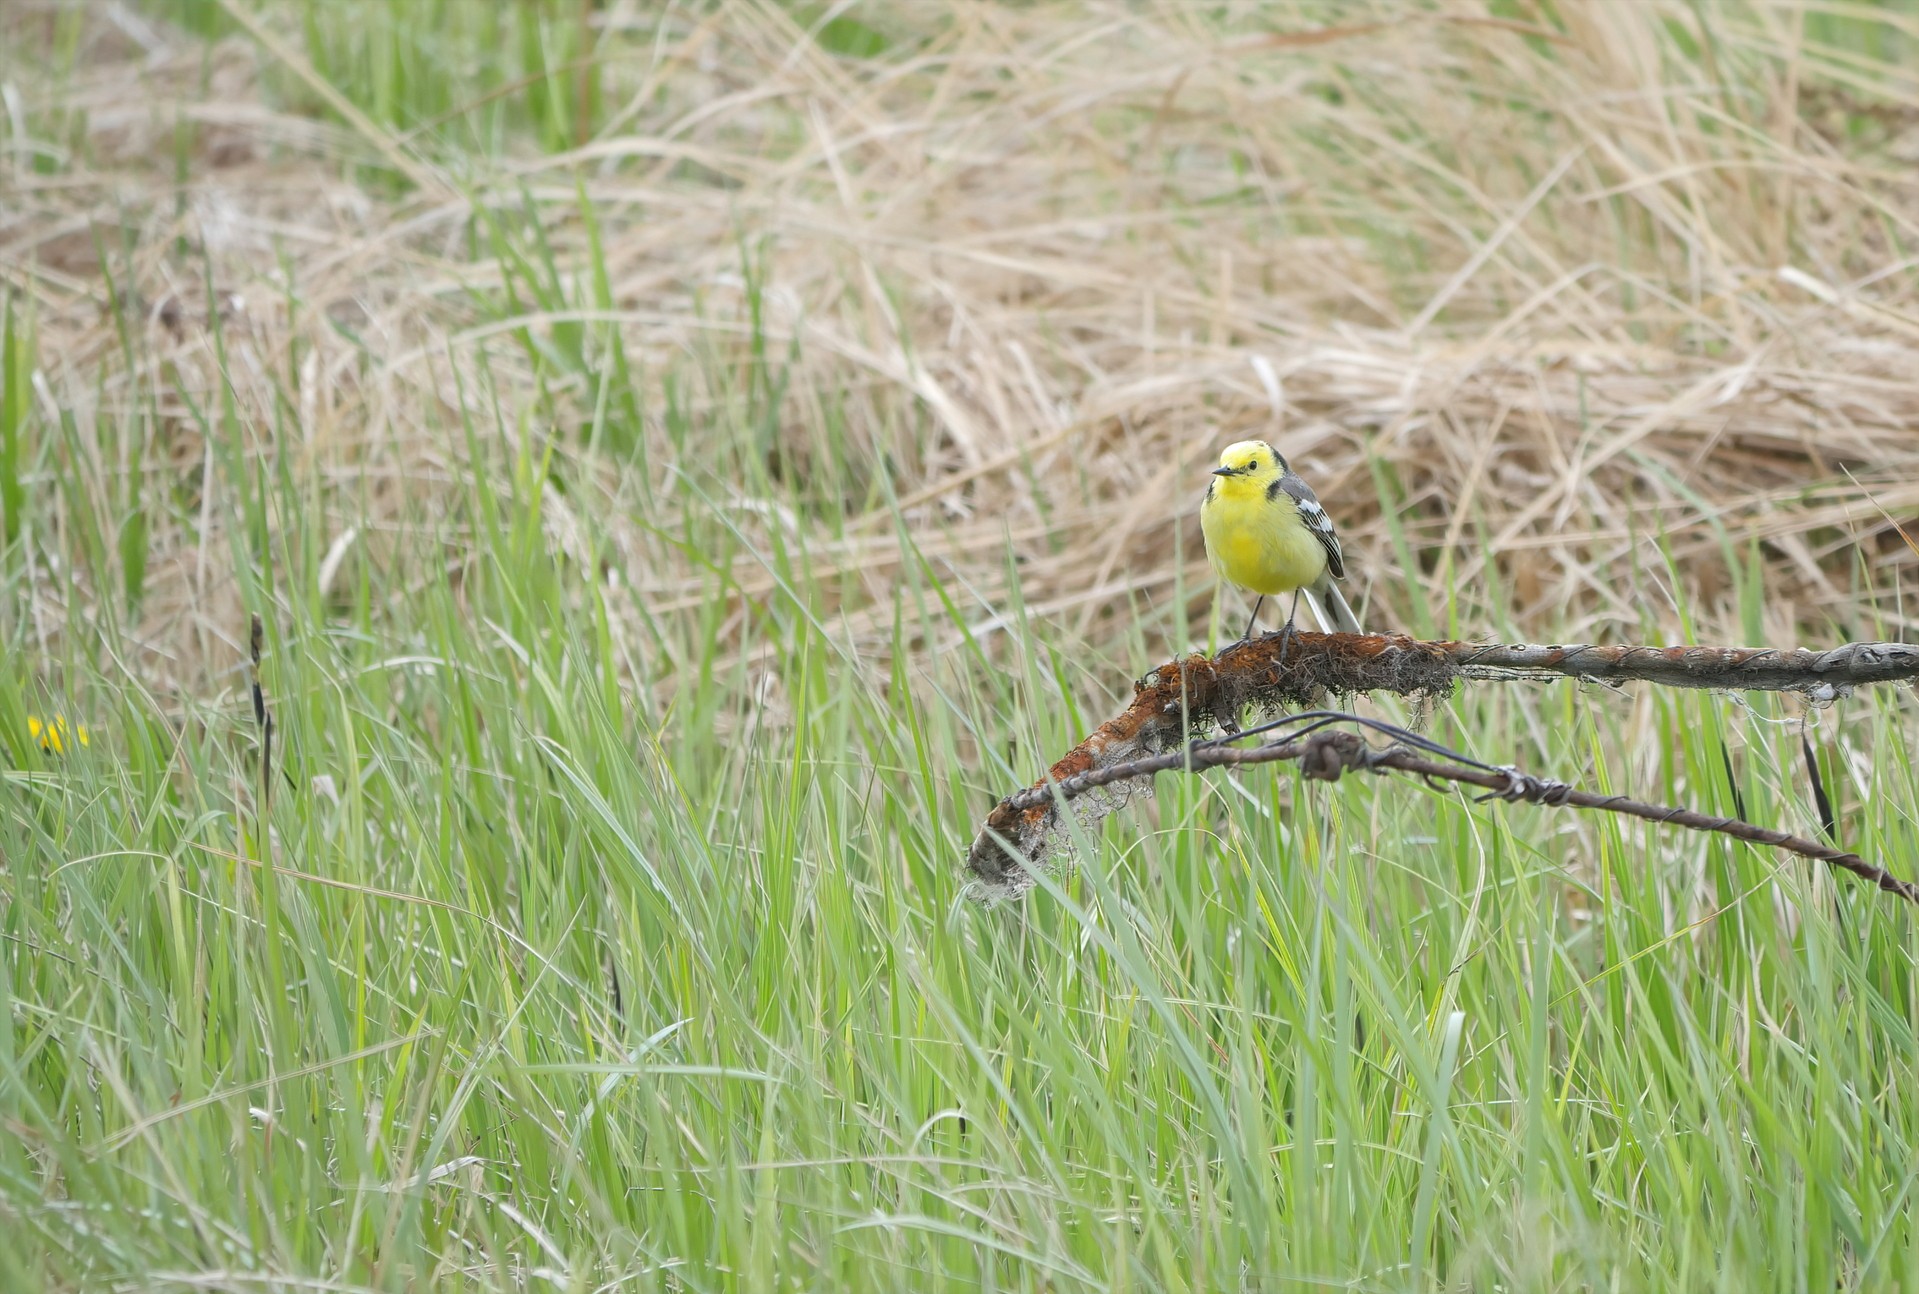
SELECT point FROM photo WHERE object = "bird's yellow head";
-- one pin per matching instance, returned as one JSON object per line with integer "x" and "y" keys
{"x": 1248, "y": 468}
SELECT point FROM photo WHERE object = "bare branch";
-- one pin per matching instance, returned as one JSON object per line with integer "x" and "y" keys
{"x": 1184, "y": 699}
{"x": 1822, "y": 675}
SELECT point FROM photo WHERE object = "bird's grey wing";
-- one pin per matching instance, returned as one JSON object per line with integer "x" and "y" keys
{"x": 1316, "y": 520}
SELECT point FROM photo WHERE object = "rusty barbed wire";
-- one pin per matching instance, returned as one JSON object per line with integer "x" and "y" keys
{"x": 1326, "y": 755}
{"x": 1183, "y": 698}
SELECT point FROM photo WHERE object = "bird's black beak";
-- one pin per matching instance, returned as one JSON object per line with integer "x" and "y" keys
{"x": 1223, "y": 471}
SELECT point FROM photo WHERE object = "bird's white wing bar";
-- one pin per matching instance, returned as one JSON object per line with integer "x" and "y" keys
{"x": 1316, "y": 521}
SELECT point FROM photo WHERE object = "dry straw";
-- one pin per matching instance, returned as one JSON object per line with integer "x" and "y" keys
{"x": 1575, "y": 279}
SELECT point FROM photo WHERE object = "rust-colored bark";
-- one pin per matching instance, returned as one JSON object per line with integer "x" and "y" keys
{"x": 1187, "y": 698}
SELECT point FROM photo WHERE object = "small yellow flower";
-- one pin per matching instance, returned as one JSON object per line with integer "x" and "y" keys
{"x": 51, "y": 736}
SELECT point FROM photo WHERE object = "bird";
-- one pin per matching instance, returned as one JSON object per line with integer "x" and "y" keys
{"x": 1266, "y": 532}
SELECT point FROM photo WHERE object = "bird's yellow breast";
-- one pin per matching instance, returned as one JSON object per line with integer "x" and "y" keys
{"x": 1259, "y": 543}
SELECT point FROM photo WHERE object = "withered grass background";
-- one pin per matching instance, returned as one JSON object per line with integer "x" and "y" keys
{"x": 690, "y": 458}
{"x": 1572, "y": 284}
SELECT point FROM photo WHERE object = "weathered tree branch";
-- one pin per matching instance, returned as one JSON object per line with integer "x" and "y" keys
{"x": 1821, "y": 675}
{"x": 1184, "y": 699}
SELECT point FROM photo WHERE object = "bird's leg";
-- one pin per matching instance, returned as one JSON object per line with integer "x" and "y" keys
{"x": 1252, "y": 619}
{"x": 1286, "y": 634}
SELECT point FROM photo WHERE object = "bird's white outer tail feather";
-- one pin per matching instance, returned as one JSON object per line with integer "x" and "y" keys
{"x": 1331, "y": 610}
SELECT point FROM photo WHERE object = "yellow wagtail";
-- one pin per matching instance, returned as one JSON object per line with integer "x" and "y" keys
{"x": 1266, "y": 532}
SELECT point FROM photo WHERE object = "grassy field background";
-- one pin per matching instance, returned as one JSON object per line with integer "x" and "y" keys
{"x": 690, "y": 459}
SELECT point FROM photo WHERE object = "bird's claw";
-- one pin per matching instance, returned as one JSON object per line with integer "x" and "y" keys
{"x": 1286, "y": 637}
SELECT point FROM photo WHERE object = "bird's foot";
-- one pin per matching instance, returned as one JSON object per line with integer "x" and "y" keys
{"x": 1286, "y": 636}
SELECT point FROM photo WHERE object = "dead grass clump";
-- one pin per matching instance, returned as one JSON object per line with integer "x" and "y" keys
{"x": 1565, "y": 282}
